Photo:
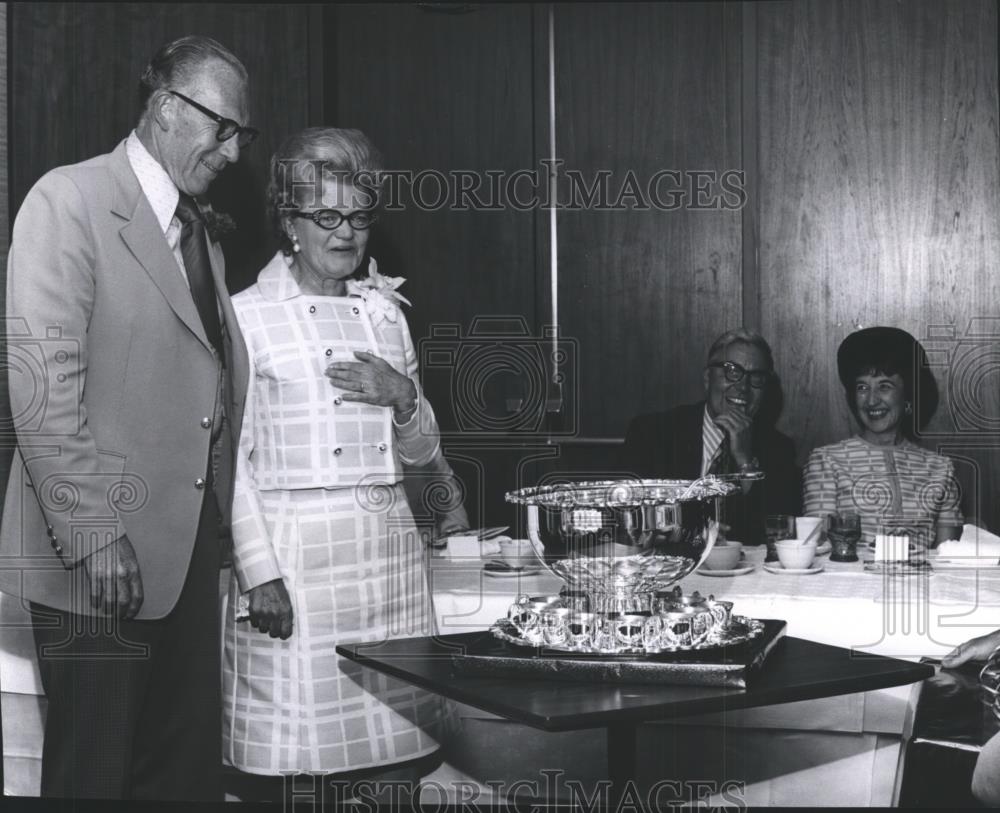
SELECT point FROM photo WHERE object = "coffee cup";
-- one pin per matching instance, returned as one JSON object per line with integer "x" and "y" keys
{"x": 804, "y": 527}
{"x": 723, "y": 556}
{"x": 794, "y": 555}
{"x": 517, "y": 553}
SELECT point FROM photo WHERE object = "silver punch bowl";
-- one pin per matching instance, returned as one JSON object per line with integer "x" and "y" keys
{"x": 620, "y": 522}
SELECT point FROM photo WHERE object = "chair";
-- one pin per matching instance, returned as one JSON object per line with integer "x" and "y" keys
{"x": 949, "y": 727}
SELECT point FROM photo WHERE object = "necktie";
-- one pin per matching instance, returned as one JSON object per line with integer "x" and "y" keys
{"x": 194, "y": 250}
{"x": 721, "y": 462}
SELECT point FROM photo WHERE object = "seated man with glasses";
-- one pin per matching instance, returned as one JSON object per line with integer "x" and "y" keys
{"x": 726, "y": 433}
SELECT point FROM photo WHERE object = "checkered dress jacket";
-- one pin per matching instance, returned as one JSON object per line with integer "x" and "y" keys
{"x": 298, "y": 432}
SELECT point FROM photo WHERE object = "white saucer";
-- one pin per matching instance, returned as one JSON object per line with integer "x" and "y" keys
{"x": 513, "y": 573}
{"x": 978, "y": 562}
{"x": 778, "y": 570}
{"x": 740, "y": 571}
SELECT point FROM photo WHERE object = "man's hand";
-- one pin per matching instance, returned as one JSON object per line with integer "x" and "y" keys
{"x": 976, "y": 649}
{"x": 738, "y": 427}
{"x": 115, "y": 581}
{"x": 271, "y": 609}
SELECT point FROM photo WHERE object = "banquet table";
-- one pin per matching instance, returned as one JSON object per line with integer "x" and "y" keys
{"x": 795, "y": 669}
{"x": 836, "y": 751}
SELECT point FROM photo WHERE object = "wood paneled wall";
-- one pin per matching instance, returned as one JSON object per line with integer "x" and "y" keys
{"x": 452, "y": 93}
{"x": 880, "y": 204}
{"x": 642, "y": 89}
{"x": 870, "y": 127}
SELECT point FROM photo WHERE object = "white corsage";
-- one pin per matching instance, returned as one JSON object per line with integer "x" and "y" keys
{"x": 379, "y": 294}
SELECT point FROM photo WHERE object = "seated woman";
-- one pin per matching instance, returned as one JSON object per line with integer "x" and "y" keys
{"x": 881, "y": 473}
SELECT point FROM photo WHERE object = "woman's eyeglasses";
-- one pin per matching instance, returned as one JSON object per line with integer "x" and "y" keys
{"x": 734, "y": 373}
{"x": 331, "y": 219}
{"x": 227, "y": 127}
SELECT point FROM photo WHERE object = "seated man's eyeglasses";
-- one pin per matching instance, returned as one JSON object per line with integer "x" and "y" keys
{"x": 331, "y": 219}
{"x": 227, "y": 127}
{"x": 734, "y": 372}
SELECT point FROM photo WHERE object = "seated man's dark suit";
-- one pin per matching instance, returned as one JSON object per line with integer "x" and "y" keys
{"x": 668, "y": 445}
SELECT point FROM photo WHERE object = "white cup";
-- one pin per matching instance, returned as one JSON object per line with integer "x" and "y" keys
{"x": 517, "y": 552}
{"x": 723, "y": 556}
{"x": 804, "y": 526}
{"x": 794, "y": 555}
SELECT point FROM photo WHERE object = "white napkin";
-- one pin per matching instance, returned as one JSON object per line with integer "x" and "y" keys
{"x": 975, "y": 541}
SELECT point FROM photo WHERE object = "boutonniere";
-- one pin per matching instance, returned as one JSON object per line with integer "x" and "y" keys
{"x": 218, "y": 224}
{"x": 379, "y": 294}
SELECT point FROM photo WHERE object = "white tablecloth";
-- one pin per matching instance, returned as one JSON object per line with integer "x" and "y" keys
{"x": 847, "y": 748}
{"x": 837, "y": 751}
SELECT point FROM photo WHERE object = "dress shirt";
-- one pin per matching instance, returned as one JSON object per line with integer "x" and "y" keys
{"x": 159, "y": 191}
{"x": 711, "y": 440}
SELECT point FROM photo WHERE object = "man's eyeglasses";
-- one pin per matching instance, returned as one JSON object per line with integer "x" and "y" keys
{"x": 331, "y": 219}
{"x": 734, "y": 373}
{"x": 227, "y": 127}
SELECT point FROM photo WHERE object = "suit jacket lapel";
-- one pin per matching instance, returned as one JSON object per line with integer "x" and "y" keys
{"x": 694, "y": 445}
{"x": 146, "y": 241}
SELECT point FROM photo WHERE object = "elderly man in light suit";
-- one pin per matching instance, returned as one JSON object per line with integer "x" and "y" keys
{"x": 117, "y": 309}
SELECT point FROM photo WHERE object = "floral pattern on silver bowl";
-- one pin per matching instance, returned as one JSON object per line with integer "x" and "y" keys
{"x": 740, "y": 630}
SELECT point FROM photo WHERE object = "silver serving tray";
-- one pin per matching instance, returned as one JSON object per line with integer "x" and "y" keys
{"x": 740, "y": 630}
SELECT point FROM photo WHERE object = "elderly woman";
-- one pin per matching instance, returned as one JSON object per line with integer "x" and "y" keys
{"x": 325, "y": 549}
{"x": 881, "y": 473}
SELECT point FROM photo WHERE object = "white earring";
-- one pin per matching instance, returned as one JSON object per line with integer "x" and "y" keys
{"x": 296, "y": 248}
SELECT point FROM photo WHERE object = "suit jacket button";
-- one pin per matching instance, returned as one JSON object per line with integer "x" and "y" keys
{"x": 338, "y": 401}
{"x": 206, "y": 423}
{"x": 312, "y": 309}
{"x": 382, "y": 447}
{"x": 199, "y": 483}
{"x": 329, "y": 352}
{"x": 355, "y": 311}
{"x": 337, "y": 451}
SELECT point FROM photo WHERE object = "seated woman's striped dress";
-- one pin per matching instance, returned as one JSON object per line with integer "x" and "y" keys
{"x": 902, "y": 484}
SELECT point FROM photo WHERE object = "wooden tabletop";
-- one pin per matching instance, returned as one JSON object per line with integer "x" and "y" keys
{"x": 795, "y": 670}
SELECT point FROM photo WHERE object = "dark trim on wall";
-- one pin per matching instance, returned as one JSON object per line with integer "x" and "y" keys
{"x": 9, "y": 169}
{"x": 750, "y": 159}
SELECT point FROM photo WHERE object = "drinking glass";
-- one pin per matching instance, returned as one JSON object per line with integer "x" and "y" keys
{"x": 779, "y": 526}
{"x": 844, "y": 534}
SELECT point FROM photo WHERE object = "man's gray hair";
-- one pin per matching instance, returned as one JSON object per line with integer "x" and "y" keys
{"x": 178, "y": 61}
{"x": 741, "y": 334}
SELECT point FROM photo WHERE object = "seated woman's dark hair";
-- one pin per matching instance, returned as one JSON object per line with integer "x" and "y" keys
{"x": 890, "y": 351}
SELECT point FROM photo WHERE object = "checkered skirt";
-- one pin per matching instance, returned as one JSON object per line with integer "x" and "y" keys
{"x": 355, "y": 569}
